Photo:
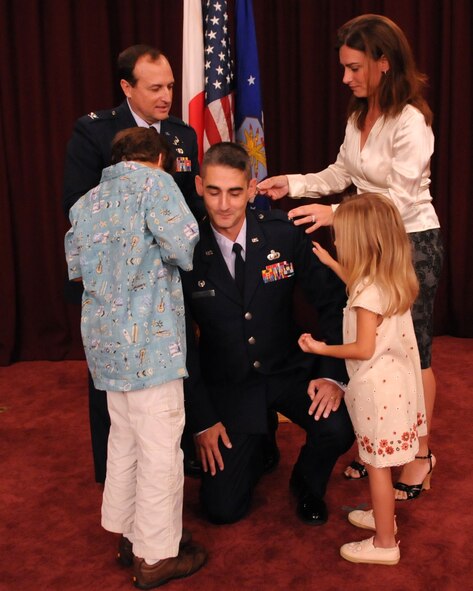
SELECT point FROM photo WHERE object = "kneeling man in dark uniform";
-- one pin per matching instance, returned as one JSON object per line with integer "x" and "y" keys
{"x": 245, "y": 359}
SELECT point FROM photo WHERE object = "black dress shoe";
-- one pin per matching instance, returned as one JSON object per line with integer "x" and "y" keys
{"x": 312, "y": 509}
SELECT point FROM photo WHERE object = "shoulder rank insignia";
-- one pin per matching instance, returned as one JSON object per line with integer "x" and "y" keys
{"x": 93, "y": 115}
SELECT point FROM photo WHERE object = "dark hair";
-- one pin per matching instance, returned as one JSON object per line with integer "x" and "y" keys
{"x": 227, "y": 154}
{"x": 402, "y": 84}
{"x": 128, "y": 57}
{"x": 143, "y": 144}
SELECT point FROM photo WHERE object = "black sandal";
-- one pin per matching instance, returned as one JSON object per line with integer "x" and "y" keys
{"x": 414, "y": 490}
{"x": 360, "y": 468}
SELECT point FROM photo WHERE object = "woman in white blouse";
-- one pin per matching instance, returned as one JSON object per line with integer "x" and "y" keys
{"x": 387, "y": 149}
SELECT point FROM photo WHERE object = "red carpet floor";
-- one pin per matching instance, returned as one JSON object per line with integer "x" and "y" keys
{"x": 51, "y": 539}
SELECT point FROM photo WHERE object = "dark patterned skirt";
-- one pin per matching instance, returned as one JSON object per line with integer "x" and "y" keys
{"x": 428, "y": 260}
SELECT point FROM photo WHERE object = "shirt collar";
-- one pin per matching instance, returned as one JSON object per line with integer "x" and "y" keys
{"x": 141, "y": 122}
{"x": 226, "y": 245}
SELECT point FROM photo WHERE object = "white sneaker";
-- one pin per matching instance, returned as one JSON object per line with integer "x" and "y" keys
{"x": 367, "y": 553}
{"x": 365, "y": 520}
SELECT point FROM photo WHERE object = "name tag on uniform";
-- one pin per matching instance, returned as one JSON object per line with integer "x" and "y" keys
{"x": 183, "y": 164}
{"x": 282, "y": 270}
{"x": 209, "y": 293}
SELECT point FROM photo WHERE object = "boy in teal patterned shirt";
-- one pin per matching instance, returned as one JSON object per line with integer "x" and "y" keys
{"x": 129, "y": 236}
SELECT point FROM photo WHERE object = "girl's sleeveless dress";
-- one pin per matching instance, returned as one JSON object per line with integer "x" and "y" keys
{"x": 384, "y": 396}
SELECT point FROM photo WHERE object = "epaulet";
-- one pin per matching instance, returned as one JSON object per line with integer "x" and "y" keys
{"x": 271, "y": 215}
{"x": 177, "y": 121}
{"x": 104, "y": 115}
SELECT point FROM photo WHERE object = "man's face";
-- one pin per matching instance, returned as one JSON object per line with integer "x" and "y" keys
{"x": 226, "y": 192}
{"x": 151, "y": 97}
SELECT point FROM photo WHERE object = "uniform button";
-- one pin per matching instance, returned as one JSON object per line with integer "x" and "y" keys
{"x": 252, "y": 340}
{"x": 248, "y": 316}
{"x": 256, "y": 364}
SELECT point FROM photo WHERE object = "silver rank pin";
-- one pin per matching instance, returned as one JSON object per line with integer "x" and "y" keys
{"x": 273, "y": 255}
{"x": 93, "y": 115}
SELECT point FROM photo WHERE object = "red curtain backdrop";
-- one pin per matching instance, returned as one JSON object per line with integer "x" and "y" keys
{"x": 57, "y": 62}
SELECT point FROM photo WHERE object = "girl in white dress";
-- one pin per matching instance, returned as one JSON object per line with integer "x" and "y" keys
{"x": 384, "y": 396}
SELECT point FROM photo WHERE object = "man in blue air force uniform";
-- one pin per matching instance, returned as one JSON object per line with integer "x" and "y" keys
{"x": 239, "y": 297}
{"x": 147, "y": 82}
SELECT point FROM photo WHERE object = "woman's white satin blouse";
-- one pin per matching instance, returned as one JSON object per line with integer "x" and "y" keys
{"x": 395, "y": 161}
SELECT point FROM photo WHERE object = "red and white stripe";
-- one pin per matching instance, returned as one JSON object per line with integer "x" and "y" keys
{"x": 219, "y": 121}
{"x": 193, "y": 105}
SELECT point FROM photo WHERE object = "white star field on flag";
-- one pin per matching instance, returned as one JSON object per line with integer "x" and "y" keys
{"x": 218, "y": 64}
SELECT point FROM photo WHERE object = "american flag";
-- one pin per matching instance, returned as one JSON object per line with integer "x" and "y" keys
{"x": 213, "y": 99}
{"x": 218, "y": 73}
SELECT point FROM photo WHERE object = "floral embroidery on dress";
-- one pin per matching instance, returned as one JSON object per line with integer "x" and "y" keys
{"x": 384, "y": 447}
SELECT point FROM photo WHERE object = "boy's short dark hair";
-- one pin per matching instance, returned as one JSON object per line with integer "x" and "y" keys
{"x": 142, "y": 144}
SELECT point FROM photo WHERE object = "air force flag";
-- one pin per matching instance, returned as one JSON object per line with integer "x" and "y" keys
{"x": 248, "y": 108}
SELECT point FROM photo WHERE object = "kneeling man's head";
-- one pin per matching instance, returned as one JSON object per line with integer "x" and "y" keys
{"x": 226, "y": 186}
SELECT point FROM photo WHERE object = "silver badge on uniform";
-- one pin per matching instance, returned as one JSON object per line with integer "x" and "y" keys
{"x": 273, "y": 255}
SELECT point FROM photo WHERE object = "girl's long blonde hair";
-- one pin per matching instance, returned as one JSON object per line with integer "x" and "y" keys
{"x": 372, "y": 246}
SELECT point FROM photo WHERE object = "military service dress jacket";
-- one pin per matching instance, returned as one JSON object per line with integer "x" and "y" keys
{"x": 89, "y": 151}
{"x": 247, "y": 350}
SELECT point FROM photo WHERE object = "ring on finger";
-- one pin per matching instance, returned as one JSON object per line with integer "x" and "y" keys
{"x": 313, "y": 219}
